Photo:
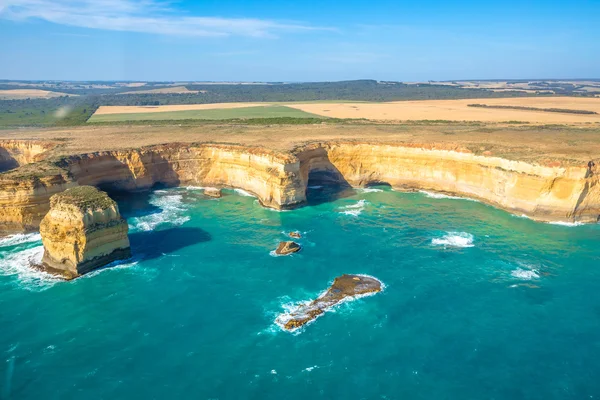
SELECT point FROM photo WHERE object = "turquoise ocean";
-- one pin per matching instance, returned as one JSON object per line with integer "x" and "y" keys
{"x": 478, "y": 304}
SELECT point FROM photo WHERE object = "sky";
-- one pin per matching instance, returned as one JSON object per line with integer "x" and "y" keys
{"x": 298, "y": 40}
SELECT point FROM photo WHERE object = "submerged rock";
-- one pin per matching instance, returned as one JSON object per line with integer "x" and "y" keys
{"x": 295, "y": 235}
{"x": 343, "y": 287}
{"x": 82, "y": 231}
{"x": 286, "y": 248}
{"x": 213, "y": 192}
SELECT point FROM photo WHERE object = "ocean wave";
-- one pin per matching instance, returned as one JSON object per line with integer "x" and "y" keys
{"x": 436, "y": 195}
{"x": 20, "y": 238}
{"x": 525, "y": 274}
{"x": 19, "y": 264}
{"x": 242, "y": 192}
{"x": 369, "y": 190}
{"x": 173, "y": 210}
{"x": 454, "y": 239}
{"x": 354, "y": 209}
{"x": 314, "y": 187}
{"x": 564, "y": 223}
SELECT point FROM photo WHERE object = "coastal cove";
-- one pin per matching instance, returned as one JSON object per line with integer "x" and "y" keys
{"x": 471, "y": 299}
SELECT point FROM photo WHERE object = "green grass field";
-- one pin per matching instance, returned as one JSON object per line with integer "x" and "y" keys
{"x": 270, "y": 111}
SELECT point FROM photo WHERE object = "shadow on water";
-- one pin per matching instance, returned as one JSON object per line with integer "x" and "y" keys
{"x": 134, "y": 204}
{"x": 153, "y": 244}
{"x": 326, "y": 186}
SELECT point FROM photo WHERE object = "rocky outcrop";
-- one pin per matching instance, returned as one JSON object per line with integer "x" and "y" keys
{"x": 82, "y": 231}
{"x": 213, "y": 192}
{"x": 343, "y": 288}
{"x": 286, "y": 248}
{"x": 279, "y": 180}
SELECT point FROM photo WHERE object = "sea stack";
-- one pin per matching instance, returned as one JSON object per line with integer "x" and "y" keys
{"x": 82, "y": 231}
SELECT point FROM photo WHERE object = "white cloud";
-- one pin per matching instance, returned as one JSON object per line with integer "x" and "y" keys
{"x": 145, "y": 16}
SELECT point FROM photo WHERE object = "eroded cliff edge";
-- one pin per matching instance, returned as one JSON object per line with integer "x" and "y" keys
{"x": 279, "y": 179}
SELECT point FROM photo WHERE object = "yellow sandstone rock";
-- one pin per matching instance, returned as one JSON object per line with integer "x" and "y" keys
{"x": 279, "y": 179}
{"x": 82, "y": 231}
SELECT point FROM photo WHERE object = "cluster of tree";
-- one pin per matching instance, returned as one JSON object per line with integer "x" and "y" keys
{"x": 58, "y": 111}
{"x": 364, "y": 90}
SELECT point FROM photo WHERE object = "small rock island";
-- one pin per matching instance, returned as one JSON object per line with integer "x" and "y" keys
{"x": 82, "y": 231}
{"x": 343, "y": 287}
{"x": 213, "y": 192}
{"x": 286, "y": 248}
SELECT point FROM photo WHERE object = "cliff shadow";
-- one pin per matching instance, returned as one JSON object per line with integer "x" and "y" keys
{"x": 148, "y": 245}
{"x": 7, "y": 162}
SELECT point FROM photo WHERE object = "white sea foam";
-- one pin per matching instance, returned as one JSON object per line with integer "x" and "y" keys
{"x": 242, "y": 192}
{"x": 454, "y": 239}
{"x": 315, "y": 187}
{"x": 311, "y": 368}
{"x": 20, "y": 238}
{"x": 19, "y": 264}
{"x": 435, "y": 195}
{"x": 525, "y": 274}
{"x": 369, "y": 190}
{"x": 354, "y": 209}
{"x": 173, "y": 212}
{"x": 564, "y": 223}
{"x": 292, "y": 308}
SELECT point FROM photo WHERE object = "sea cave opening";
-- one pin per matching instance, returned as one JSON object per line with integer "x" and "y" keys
{"x": 325, "y": 186}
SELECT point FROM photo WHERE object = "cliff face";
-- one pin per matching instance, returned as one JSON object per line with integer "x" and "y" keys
{"x": 15, "y": 153}
{"x": 543, "y": 193}
{"x": 82, "y": 231}
{"x": 279, "y": 180}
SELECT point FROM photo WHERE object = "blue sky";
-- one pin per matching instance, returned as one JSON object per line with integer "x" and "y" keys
{"x": 241, "y": 40}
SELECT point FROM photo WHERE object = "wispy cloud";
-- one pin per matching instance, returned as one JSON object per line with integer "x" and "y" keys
{"x": 145, "y": 16}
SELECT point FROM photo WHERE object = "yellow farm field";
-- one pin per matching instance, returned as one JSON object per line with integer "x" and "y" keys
{"x": 458, "y": 110}
{"x": 17, "y": 94}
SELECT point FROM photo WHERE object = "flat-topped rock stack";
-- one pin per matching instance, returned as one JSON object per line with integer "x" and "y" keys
{"x": 82, "y": 231}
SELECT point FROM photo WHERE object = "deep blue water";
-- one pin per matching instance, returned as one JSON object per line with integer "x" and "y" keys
{"x": 478, "y": 304}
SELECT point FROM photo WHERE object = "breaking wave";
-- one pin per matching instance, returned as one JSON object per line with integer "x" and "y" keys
{"x": 435, "y": 195}
{"x": 19, "y": 264}
{"x": 525, "y": 274}
{"x": 354, "y": 209}
{"x": 564, "y": 223}
{"x": 173, "y": 212}
{"x": 369, "y": 190}
{"x": 20, "y": 238}
{"x": 242, "y": 192}
{"x": 454, "y": 239}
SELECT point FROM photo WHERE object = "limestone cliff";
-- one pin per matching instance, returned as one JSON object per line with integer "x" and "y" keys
{"x": 15, "y": 153}
{"x": 279, "y": 180}
{"x": 540, "y": 192}
{"x": 82, "y": 231}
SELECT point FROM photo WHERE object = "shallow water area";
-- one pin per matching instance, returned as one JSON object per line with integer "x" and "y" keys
{"x": 477, "y": 304}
